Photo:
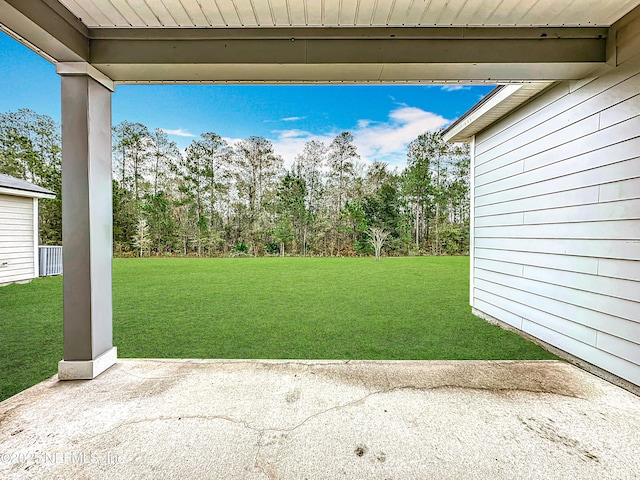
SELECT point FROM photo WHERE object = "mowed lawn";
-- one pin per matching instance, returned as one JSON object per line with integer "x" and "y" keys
{"x": 308, "y": 308}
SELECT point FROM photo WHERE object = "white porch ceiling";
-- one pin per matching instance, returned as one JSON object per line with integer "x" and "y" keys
{"x": 333, "y": 13}
{"x": 305, "y": 41}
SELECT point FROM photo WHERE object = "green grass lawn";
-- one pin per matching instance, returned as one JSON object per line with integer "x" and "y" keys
{"x": 311, "y": 308}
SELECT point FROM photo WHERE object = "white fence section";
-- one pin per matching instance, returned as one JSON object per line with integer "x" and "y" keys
{"x": 50, "y": 261}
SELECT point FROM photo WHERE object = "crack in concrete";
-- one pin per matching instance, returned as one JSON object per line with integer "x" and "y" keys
{"x": 244, "y": 423}
{"x": 255, "y": 459}
{"x": 322, "y": 412}
{"x": 165, "y": 417}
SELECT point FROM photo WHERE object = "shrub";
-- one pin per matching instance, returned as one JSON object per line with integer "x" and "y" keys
{"x": 455, "y": 239}
{"x": 272, "y": 248}
{"x": 241, "y": 247}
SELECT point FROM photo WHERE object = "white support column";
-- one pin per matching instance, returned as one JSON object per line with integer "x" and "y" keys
{"x": 87, "y": 228}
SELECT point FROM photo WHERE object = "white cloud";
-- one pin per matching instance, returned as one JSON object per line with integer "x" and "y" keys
{"x": 292, "y": 119}
{"x": 293, "y": 133}
{"x": 388, "y": 141}
{"x": 452, "y": 87}
{"x": 178, "y": 132}
{"x": 383, "y": 141}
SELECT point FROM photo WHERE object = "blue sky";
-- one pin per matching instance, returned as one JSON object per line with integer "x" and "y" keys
{"x": 383, "y": 118}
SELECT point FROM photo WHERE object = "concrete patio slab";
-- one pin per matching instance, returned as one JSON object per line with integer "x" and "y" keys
{"x": 230, "y": 419}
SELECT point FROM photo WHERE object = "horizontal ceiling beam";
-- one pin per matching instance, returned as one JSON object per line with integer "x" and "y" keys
{"x": 46, "y": 27}
{"x": 348, "y": 55}
{"x": 348, "y": 51}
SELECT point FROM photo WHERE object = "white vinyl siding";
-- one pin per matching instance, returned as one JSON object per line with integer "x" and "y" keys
{"x": 16, "y": 239}
{"x": 557, "y": 219}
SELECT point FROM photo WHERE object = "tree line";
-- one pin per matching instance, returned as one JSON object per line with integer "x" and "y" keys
{"x": 215, "y": 199}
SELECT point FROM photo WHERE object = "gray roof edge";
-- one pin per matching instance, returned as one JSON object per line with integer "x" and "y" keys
{"x": 473, "y": 109}
{"x": 12, "y": 183}
{"x": 496, "y": 105}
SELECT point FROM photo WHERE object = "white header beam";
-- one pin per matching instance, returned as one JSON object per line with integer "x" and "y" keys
{"x": 85, "y": 69}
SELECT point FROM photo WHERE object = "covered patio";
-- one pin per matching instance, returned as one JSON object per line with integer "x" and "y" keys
{"x": 261, "y": 419}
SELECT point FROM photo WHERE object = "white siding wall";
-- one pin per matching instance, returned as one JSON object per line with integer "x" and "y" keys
{"x": 557, "y": 219}
{"x": 16, "y": 239}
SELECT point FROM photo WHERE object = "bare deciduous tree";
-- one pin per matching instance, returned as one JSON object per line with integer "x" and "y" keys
{"x": 142, "y": 240}
{"x": 377, "y": 236}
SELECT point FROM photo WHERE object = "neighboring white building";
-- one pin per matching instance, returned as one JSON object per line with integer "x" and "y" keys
{"x": 556, "y": 210}
{"x": 19, "y": 229}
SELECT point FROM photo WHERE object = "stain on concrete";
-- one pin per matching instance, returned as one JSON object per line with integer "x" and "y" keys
{"x": 500, "y": 377}
{"x": 361, "y": 450}
{"x": 293, "y": 396}
{"x": 547, "y": 430}
{"x": 9, "y": 413}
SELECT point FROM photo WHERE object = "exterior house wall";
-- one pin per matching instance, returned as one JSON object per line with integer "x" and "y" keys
{"x": 556, "y": 200}
{"x": 18, "y": 238}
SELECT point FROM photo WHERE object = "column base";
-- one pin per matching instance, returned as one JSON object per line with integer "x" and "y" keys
{"x": 87, "y": 369}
